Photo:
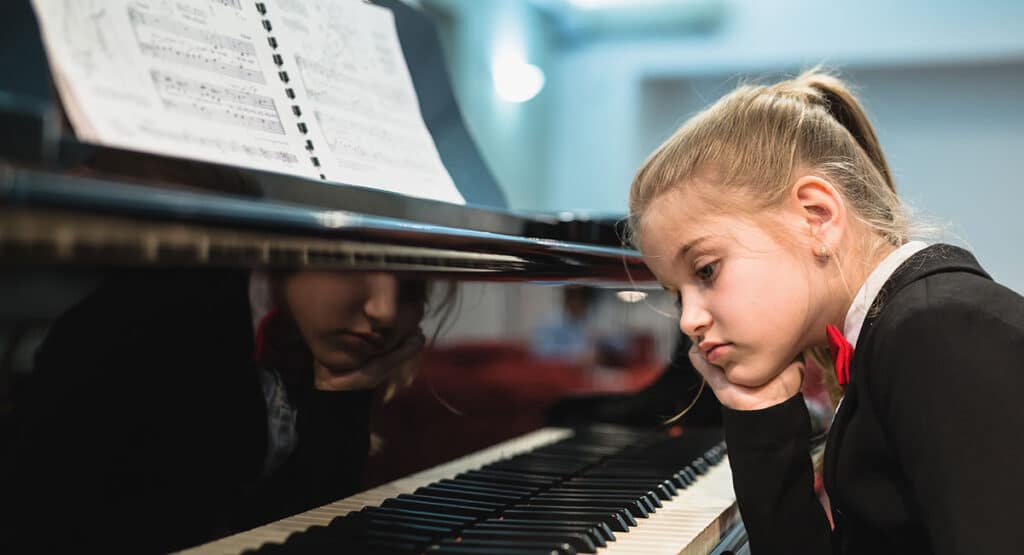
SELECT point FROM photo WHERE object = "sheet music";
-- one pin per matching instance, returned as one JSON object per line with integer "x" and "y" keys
{"x": 187, "y": 78}
{"x": 347, "y": 61}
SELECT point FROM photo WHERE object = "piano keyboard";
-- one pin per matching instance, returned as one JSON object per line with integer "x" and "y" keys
{"x": 616, "y": 491}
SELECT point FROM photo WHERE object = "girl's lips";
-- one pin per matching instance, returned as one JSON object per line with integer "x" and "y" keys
{"x": 358, "y": 341}
{"x": 717, "y": 352}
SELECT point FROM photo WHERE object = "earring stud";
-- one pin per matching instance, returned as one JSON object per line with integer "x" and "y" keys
{"x": 823, "y": 251}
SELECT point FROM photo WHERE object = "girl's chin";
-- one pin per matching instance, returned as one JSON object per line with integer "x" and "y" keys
{"x": 744, "y": 376}
{"x": 341, "y": 363}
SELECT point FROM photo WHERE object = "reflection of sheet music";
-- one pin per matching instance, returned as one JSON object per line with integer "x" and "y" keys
{"x": 349, "y": 62}
{"x": 189, "y": 78}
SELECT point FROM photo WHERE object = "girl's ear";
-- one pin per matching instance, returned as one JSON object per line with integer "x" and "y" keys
{"x": 820, "y": 210}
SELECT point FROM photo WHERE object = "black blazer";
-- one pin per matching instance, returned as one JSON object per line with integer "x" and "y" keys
{"x": 146, "y": 429}
{"x": 923, "y": 455}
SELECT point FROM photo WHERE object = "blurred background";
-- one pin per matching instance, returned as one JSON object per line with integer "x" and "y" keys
{"x": 565, "y": 98}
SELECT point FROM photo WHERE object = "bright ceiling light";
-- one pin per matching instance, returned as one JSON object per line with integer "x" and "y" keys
{"x": 516, "y": 80}
{"x": 631, "y": 296}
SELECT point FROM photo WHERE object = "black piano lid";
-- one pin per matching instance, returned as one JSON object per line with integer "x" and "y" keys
{"x": 41, "y": 185}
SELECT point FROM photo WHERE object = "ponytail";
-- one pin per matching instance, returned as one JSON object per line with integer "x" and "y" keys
{"x": 843, "y": 106}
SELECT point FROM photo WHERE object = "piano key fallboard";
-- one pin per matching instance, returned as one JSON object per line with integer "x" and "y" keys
{"x": 554, "y": 491}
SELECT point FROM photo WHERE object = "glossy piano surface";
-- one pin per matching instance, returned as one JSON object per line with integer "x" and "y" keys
{"x": 183, "y": 407}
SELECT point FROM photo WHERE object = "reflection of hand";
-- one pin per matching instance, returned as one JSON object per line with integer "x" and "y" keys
{"x": 375, "y": 370}
{"x": 740, "y": 397}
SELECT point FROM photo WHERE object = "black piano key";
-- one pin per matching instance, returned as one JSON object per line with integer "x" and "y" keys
{"x": 650, "y": 495}
{"x": 486, "y": 486}
{"x": 666, "y": 489}
{"x": 600, "y": 526}
{"x": 511, "y": 478}
{"x": 552, "y": 546}
{"x": 648, "y": 498}
{"x": 433, "y": 531}
{"x": 612, "y": 519}
{"x": 401, "y": 519}
{"x": 473, "y": 495}
{"x": 464, "y": 502}
{"x": 378, "y": 546}
{"x": 624, "y": 514}
{"x": 456, "y": 549}
{"x": 579, "y": 542}
{"x": 417, "y": 513}
{"x": 634, "y": 507}
{"x": 439, "y": 508}
{"x": 643, "y": 506}
{"x": 591, "y": 532}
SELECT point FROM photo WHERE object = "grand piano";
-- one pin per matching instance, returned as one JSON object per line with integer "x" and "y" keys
{"x": 74, "y": 216}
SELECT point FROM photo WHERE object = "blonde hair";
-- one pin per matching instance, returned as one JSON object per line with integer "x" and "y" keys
{"x": 755, "y": 139}
{"x": 751, "y": 143}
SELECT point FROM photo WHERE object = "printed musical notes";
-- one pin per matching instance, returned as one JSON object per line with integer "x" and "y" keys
{"x": 316, "y": 88}
{"x": 348, "y": 58}
{"x": 171, "y": 39}
{"x": 188, "y": 78}
{"x": 223, "y": 104}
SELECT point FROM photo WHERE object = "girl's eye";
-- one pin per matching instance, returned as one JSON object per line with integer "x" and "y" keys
{"x": 706, "y": 272}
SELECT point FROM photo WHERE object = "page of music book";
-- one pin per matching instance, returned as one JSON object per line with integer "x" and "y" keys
{"x": 202, "y": 79}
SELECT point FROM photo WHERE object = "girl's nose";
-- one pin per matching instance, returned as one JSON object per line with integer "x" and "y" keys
{"x": 694, "y": 319}
{"x": 381, "y": 305}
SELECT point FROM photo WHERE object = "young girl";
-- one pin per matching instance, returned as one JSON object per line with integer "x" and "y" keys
{"x": 773, "y": 218}
{"x": 171, "y": 419}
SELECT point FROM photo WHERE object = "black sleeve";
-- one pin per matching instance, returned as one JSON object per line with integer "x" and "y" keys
{"x": 769, "y": 452}
{"x": 329, "y": 461}
{"x": 949, "y": 396}
{"x": 141, "y": 407}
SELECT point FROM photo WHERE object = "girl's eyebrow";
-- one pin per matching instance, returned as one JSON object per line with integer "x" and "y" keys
{"x": 689, "y": 246}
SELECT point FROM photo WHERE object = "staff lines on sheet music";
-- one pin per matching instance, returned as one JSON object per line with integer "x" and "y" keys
{"x": 225, "y": 145}
{"x": 175, "y": 42}
{"x": 236, "y": 4}
{"x": 220, "y": 103}
{"x": 172, "y": 27}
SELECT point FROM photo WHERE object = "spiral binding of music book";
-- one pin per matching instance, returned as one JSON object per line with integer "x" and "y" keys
{"x": 282, "y": 74}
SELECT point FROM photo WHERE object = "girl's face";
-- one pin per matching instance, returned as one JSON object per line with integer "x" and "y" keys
{"x": 749, "y": 302}
{"x": 349, "y": 318}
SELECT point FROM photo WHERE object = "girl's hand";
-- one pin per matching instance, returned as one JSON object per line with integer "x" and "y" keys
{"x": 738, "y": 397}
{"x": 398, "y": 361}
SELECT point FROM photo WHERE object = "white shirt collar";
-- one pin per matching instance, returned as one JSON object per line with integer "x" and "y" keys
{"x": 865, "y": 297}
{"x": 259, "y": 297}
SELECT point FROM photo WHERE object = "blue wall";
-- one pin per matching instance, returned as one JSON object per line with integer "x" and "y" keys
{"x": 943, "y": 82}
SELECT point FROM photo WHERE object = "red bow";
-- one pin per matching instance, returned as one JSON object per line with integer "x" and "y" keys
{"x": 842, "y": 352}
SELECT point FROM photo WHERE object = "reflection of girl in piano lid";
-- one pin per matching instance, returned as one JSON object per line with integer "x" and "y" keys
{"x": 353, "y": 330}
{"x": 209, "y": 422}
{"x": 773, "y": 218}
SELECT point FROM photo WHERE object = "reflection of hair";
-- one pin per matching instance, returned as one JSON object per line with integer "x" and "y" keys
{"x": 440, "y": 305}
{"x": 753, "y": 141}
